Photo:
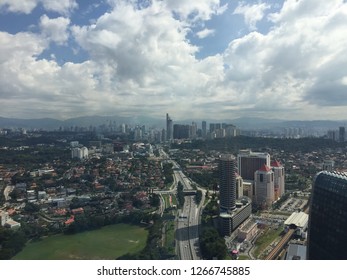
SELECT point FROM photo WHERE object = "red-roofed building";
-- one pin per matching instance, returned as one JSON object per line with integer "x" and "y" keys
{"x": 77, "y": 211}
{"x": 70, "y": 220}
{"x": 265, "y": 168}
{"x": 264, "y": 186}
{"x": 276, "y": 163}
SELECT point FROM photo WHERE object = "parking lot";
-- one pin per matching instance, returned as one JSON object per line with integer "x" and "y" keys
{"x": 293, "y": 204}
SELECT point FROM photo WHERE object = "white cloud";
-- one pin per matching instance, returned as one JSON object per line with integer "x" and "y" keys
{"x": 299, "y": 64}
{"x": 205, "y": 33}
{"x": 63, "y": 7}
{"x": 55, "y": 29}
{"x": 252, "y": 13}
{"x": 140, "y": 47}
{"x": 141, "y": 61}
{"x": 195, "y": 10}
{"x": 27, "y": 6}
{"x": 18, "y": 6}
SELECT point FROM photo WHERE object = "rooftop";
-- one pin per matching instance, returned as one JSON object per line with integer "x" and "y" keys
{"x": 276, "y": 163}
{"x": 299, "y": 219}
{"x": 265, "y": 168}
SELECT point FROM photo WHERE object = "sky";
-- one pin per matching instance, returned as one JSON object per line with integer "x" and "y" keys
{"x": 213, "y": 59}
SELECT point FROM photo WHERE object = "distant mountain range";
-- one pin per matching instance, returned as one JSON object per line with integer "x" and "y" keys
{"x": 86, "y": 121}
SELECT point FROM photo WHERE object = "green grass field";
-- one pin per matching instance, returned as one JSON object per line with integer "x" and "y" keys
{"x": 106, "y": 243}
{"x": 265, "y": 240}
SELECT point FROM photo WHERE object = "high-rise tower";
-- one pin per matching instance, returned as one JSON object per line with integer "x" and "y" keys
{"x": 232, "y": 213}
{"x": 342, "y": 134}
{"x": 278, "y": 170}
{"x": 204, "y": 129}
{"x": 327, "y": 228}
{"x": 169, "y": 128}
{"x": 264, "y": 186}
{"x": 249, "y": 162}
{"x": 227, "y": 182}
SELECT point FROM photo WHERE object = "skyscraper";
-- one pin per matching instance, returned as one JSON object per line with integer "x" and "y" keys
{"x": 327, "y": 238}
{"x": 227, "y": 182}
{"x": 278, "y": 170}
{"x": 264, "y": 186}
{"x": 193, "y": 130}
{"x": 181, "y": 131}
{"x": 169, "y": 128}
{"x": 249, "y": 162}
{"x": 232, "y": 213}
{"x": 342, "y": 134}
{"x": 204, "y": 129}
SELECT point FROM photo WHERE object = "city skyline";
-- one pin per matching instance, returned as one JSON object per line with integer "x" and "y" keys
{"x": 226, "y": 59}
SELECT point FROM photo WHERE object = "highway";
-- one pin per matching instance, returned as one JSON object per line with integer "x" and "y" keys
{"x": 188, "y": 220}
{"x": 187, "y": 232}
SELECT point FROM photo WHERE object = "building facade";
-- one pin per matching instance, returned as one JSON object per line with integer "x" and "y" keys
{"x": 169, "y": 128}
{"x": 231, "y": 213}
{"x": 80, "y": 153}
{"x": 264, "y": 186}
{"x": 227, "y": 182}
{"x": 204, "y": 129}
{"x": 249, "y": 162}
{"x": 327, "y": 226}
{"x": 342, "y": 134}
{"x": 279, "y": 182}
{"x": 181, "y": 131}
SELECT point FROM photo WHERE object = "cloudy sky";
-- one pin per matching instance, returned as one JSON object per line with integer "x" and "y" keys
{"x": 194, "y": 59}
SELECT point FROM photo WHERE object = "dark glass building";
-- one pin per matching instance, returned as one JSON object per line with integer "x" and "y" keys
{"x": 342, "y": 134}
{"x": 181, "y": 131}
{"x": 327, "y": 231}
{"x": 231, "y": 212}
{"x": 227, "y": 182}
{"x": 169, "y": 128}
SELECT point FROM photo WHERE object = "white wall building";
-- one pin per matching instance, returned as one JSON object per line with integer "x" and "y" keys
{"x": 80, "y": 153}
{"x": 278, "y": 170}
{"x": 4, "y": 217}
{"x": 74, "y": 144}
{"x": 264, "y": 186}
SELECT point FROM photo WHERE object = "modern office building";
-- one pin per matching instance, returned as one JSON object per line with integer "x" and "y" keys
{"x": 227, "y": 182}
{"x": 193, "y": 130}
{"x": 169, "y": 128}
{"x": 279, "y": 182}
{"x": 229, "y": 222}
{"x": 327, "y": 227}
{"x": 264, "y": 186}
{"x": 181, "y": 131}
{"x": 249, "y": 162}
{"x": 239, "y": 187}
{"x": 232, "y": 213}
{"x": 204, "y": 129}
{"x": 342, "y": 134}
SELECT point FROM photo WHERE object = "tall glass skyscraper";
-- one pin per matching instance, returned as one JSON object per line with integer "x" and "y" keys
{"x": 232, "y": 213}
{"x": 327, "y": 231}
{"x": 169, "y": 128}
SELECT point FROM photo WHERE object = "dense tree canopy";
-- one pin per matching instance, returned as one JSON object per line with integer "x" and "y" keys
{"x": 212, "y": 245}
